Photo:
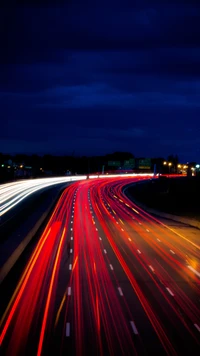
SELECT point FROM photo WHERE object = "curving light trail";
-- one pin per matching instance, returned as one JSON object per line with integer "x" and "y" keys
{"x": 12, "y": 194}
{"x": 106, "y": 278}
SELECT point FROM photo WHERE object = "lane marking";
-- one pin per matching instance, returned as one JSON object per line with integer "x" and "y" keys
{"x": 170, "y": 292}
{"x": 96, "y": 229}
{"x": 67, "y": 329}
{"x": 147, "y": 230}
{"x": 105, "y": 251}
{"x": 111, "y": 267}
{"x": 140, "y": 223}
{"x": 69, "y": 291}
{"x": 71, "y": 237}
{"x": 70, "y": 267}
{"x": 100, "y": 238}
{"x": 71, "y": 250}
{"x": 151, "y": 268}
{"x": 122, "y": 229}
{"x": 139, "y": 251}
{"x": 172, "y": 252}
{"x": 129, "y": 239}
{"x": 72, "y": 222}
{"x": 197, "y": 327}
{"x": 194, "y": 270}
{"x": 136, "y": 211}
{"x": 121, "y": 221}
{"x": 134, "y": 328}
{"x": 120, "y": 291}
{"x": 71, "y": 229}
{"x": 158, "y": 240}
{"x": 183, "y": 237}
{"x": 117, "y": 222}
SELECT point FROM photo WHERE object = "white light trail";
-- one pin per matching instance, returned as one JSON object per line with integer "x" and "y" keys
{"x": 12, "y": 194}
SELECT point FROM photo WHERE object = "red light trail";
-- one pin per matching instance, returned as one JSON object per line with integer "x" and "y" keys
{"x": 106, "y": 278}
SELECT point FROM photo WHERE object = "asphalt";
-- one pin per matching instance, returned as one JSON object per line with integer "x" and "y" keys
{"x": 105, "y": 278}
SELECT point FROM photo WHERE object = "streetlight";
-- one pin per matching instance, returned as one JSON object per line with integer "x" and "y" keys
{"x": 179, "y": 166}
{"x": 169, "y": 164}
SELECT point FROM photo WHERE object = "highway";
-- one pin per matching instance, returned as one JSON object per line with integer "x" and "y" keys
{"x": 106, "y": 278}
{"x": 11, "y": 194}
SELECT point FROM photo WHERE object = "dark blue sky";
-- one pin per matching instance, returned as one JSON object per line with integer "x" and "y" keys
{"x": 121, "y": 75}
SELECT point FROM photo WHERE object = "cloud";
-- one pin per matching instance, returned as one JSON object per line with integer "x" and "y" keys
{"x": 44, "y": 32}
{"x": 121, "y": 74}
{"x": 103, "y": 95}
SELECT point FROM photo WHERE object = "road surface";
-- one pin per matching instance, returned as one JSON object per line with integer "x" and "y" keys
{"x": 106, "y": 278}
{"x": 12, "y": 194}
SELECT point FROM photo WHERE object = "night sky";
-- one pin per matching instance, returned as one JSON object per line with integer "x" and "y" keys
{"x": 94, "y": 79}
